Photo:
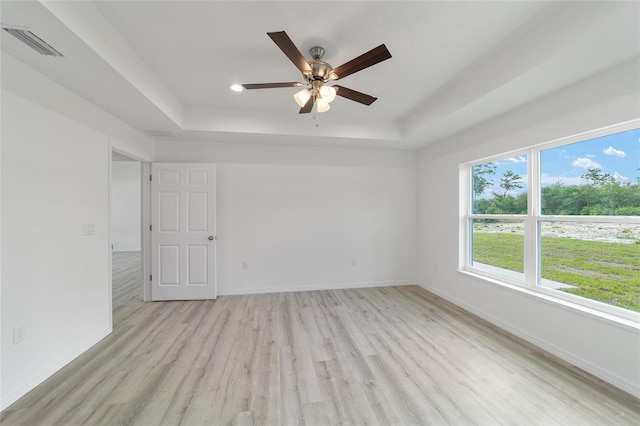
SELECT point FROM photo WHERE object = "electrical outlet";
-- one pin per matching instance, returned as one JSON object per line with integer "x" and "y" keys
{"x": 18, "y": 334}
{"x": 354, "y": 262}
{"x": 245, "y": 266}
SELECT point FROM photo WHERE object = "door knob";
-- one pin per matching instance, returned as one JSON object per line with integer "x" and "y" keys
{"x": 211, "y": 237}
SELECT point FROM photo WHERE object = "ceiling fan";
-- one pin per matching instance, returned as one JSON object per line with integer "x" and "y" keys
{"x": 318, "y": 73}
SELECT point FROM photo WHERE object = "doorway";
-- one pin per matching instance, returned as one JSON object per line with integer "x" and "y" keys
{"x": 126, "y": 233}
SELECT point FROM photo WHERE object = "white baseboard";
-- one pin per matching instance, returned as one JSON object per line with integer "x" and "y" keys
{"x": 572, "y": 358}
{"x": 49, "y": 370}
{"x": 120, "y": 250}
{"x": 335, "y": 286}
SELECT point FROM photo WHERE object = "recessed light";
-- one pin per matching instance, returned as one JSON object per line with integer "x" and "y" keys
{"x": 237, "y": 87}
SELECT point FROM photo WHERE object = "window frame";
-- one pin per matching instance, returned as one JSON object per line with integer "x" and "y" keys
{"x": 533, "y": 221}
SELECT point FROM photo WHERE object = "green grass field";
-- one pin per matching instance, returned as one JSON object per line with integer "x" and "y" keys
{"x": 607, "y": 272}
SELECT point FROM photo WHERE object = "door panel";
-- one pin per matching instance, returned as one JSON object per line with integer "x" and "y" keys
{"x": 169, "y": 265}
{"x": 198, "y": 176}
{"x": 197, "y": 265}
{"x": 169, "y": 176}
{"x": 198, "y": 214}
{"x": 169, "y": 211}
{"x": 183, "y": 220}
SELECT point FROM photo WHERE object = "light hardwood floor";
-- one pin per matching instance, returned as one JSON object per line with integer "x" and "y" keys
{"x": 395, "y": 355}
{"x": 126, "y": 291}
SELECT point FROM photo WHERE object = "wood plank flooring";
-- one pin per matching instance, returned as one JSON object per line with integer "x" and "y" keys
{"x": 126, "y": 288}
{"x": 379, "y": 356}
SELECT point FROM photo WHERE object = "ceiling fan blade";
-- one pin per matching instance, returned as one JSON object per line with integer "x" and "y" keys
{"x": 354, "y": 95}
{"x": 306, "y": 109}
{"x": 363, "y": 61}
{"x": 288, "y": 48}
{"x": 271, "y": 85}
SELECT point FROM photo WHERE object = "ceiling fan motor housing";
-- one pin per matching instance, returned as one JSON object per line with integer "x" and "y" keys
{"x": 320, "y": 69}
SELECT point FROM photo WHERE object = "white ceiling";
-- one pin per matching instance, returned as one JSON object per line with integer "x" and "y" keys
{"x": 168, "y": 65}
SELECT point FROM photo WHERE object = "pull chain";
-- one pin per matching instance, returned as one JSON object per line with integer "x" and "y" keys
{"x": 315, "y": 113}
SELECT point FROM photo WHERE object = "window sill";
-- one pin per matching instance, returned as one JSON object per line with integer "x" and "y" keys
{"x": 585, "y": 311}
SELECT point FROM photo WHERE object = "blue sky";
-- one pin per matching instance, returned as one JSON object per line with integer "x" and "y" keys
{"x": 617, "y": 154}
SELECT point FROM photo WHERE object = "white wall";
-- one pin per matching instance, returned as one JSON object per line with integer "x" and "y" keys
{"x": 30, "y": 84}
{"x": 300, "y": 215}
{"x": 125, "y": 205}
{"x": 603, "y": 347}
{"x": 55, "y": 177}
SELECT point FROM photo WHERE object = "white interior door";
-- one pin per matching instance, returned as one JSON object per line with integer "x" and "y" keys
{"x": 183, "y": 231}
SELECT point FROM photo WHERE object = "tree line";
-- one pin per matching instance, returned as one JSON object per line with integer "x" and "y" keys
{"x": 600, "y": 194}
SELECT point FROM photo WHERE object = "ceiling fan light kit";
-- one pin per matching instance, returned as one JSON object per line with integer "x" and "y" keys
{"x": 302, "y": 97}
{"x": 322, "y": 105}
{"x": 322, "y": 94}
{"x": 318, "y": 73}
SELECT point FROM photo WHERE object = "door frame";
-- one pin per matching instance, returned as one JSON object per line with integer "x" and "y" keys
{"x": 145, "y": 227}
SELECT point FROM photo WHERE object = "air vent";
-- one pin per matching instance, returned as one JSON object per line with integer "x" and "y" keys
{"x": 33, "y": 41}
{"x": 160, "y": 133}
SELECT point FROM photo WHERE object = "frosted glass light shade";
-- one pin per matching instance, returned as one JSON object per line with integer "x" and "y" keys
{"x": 328, "y": 93}
{"x": 322, "y": 105}
{"x": 302, "y": 97}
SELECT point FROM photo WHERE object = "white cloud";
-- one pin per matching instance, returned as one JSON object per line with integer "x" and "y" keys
{"x": 586, "y": 163}
{"x": 612, "y": 151}
{"x": 513, "y": 160}
{"x": 622, "y": 179}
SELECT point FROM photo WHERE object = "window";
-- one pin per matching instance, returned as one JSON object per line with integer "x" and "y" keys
{"x": 499, "y": 205}
{"x": 562, "y": 219}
